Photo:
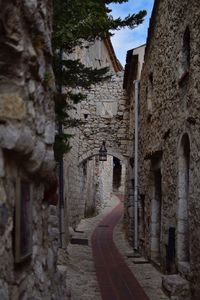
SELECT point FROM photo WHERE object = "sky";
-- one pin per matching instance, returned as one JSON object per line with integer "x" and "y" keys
{"x": 126, "y": 39}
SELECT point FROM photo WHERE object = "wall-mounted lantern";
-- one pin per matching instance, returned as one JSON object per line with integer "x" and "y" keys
{"x": 103, "y": 152}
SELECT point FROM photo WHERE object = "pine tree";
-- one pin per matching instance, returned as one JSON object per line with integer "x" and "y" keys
{"x": 74, "y": 23}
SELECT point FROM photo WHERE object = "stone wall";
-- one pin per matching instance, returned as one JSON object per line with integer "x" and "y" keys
{"x": 73, "y": 180}
{"x": 104, "y": 116}
{"x": 134, "y": 63}
{"x": 26, "y": 151}
{"x": 105, "y": 180}
{"x": 129, "y": 182}
{"x": 95, "y": 55}
{"x": 89, "y": 189}
{"x": 169, "y": 133}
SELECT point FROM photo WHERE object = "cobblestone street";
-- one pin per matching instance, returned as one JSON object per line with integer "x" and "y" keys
{"x": 81, "y": 269}
{"x": 100, "y": 150}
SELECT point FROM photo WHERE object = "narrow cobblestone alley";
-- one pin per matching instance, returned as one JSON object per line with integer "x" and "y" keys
{"x": 115, "y": 278}
{"x": 100, "y": 150}
{"x": 114, "y": 270}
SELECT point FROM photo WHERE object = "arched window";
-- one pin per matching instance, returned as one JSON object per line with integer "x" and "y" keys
{"x": 149, "y": 96}
{"x": 186, "y": 48}
{"x": 183, "y": 197}
{"x": 184, "y": 56}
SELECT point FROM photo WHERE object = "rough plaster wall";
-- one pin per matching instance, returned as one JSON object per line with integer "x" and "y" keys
{"x": 26, "y": 140}
{"x": 174, "y": 107}
{"x": 97, "y": 56}
{"x": 140, "y": 52}
{"x": 94, "y": 54}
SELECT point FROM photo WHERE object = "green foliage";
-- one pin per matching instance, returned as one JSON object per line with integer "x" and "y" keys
{"x": 78, "y": 20}
{"x": 48, "y": 79}
{"x": 74, "y": 74}
{"x": 74, "y": 23}
{"x": 61, "y": 145}
{"x": 63, "y": 107}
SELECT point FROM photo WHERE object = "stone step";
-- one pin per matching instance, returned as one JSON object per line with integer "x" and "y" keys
{"x": 140, "y": 260}
{"x": 176, "y": 287}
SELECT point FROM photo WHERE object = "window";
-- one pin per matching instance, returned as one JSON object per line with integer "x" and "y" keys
{"x": 184, "y": 57}
{"x": 183, "y": 197}
{"x": 149, "y": 95}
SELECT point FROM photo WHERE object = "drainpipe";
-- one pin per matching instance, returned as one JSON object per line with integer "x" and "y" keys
{"x": 61, "y": 205}
{"x": 61, "y": 177}
{"x": 136, "y": 92}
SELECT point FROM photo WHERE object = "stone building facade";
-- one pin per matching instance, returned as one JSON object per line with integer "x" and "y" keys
{"x": 132, "y": 73}
{"x": 169, "y": 145}
{"x": 104, "y": 117}
{"x": 28, "y": 223}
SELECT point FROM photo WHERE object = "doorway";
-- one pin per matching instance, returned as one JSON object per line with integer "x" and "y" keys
{"x": 156, "y": 216}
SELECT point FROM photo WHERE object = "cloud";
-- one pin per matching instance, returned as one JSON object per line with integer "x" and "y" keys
{"x": 126, "y": 39}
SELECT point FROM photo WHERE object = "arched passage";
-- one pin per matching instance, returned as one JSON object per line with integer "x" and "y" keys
{"x": 95, "y": 152}
{"x": 183, "y": 199}
{"x": 97, "y": 179}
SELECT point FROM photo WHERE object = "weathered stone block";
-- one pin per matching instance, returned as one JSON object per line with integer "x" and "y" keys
{"x": 12, "y": 106}
{"x": 2, "y": 170}
{"x": 4, "y": 295}
{"x": 26, "y": 140}
{"x": 184, "y": 269}
{"x": 48, "y": 163}
{"x": 40, "y": 123}
{"x": 15, "y": 293}
{"x": 39, "y": 272}
{"x": 175, "y": 285}
{"x": 49, "y": 134}
{"x": 36, "y": 157}
{"x": 9, "y": 135}
{"x": 50, "y": 260}
{"x": 31, "y": 109}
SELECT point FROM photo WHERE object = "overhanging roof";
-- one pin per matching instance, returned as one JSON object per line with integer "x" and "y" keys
{"x": 115, "y": 62}
{"x": 131, "y": 68}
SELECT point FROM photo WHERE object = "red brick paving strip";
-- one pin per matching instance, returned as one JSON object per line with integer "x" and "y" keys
{"x": 115, "y": 279}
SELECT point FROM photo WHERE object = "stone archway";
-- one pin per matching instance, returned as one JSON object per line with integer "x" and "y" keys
{"x": 182, "y": 252}
{"x": 104, "y": 116}
{"x": 107, "y": 119}
{"x": 97, "y": 178}
{"x": 95, "y": 152}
